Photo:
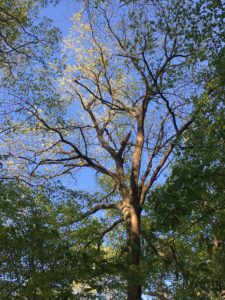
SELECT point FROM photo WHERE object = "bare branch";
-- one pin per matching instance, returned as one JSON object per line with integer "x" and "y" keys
{"x": 102, "y": 206}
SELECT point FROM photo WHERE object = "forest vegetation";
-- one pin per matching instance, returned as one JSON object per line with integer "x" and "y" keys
{"x": 133, "y": 95}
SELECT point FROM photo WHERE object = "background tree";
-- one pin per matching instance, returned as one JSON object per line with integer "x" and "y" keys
{"x": 22, "y": 36}
{"x": 125, "y": 103}
{"x": 41, "y": 255}
{"x": 25, "y": 40}
{"x": 190, "y": 222}
{"x": 36, "y": 260}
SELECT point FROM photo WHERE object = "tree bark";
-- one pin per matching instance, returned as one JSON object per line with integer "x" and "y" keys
{"x": 134, "y": 288}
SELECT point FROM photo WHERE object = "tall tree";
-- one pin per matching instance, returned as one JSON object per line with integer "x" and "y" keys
{"x": 131, "y": 78}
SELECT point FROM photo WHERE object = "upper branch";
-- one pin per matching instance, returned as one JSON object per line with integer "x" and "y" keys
{"x": 162, "y": 162}
{"x": 90, "y": 162}
{"x": 160, "y": 93}
{"x": 96, "y": 208}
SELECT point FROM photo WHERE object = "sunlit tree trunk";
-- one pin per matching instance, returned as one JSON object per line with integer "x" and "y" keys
{"x": 134, "y": 289}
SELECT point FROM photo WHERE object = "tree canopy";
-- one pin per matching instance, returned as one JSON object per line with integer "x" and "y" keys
{"x": 22, "y": 36}
{"x": 137, "y": 94}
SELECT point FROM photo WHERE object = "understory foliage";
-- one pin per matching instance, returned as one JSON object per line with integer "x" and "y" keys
{"x": 137, "y": 93}
{"x": 190, "y": 223}
{"x": 45, "y": 255}
{"x": 186, "y": 213}
{"x": 36, "y": 261}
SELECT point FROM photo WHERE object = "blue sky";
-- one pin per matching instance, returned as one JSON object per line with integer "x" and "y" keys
{"x": 61, "y": 14}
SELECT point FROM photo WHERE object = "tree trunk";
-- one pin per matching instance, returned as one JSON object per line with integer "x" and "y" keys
{"x": 134, "y": 256}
